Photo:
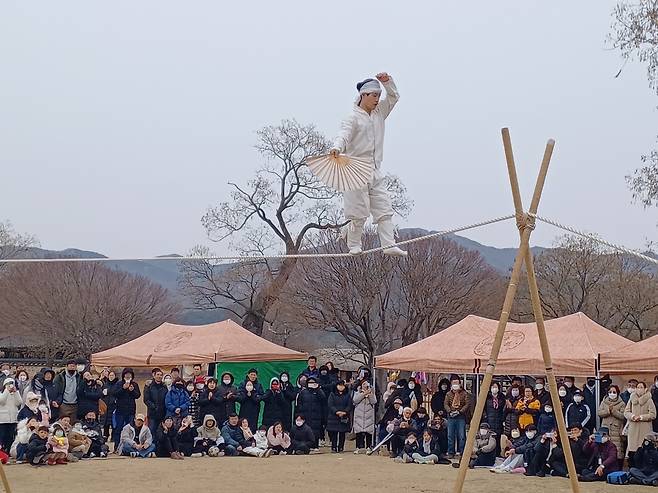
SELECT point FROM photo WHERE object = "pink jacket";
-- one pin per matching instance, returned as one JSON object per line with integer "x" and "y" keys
{"x": 283, "y": 439}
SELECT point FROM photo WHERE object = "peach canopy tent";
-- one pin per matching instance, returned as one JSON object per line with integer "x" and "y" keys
{"x": 640, "y": 357}
{"x": 575, "y": 342}
{"x": 171, "y": 344}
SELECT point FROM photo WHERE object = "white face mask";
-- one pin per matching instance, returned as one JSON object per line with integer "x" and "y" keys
{"x": 43, "y": 408}
{"x": 562, "y": 393}
{"x": 22, "y": 378}
{"x": 568, "y": 384}
{"x": 539, "y": 386}
{"x": 530, "y": 434}
{"x": 249, "y": 387}
{"x": 312, "y": 385}
{"x": 630, "y": 390}
{"x": 227, "y": 381}
{"x": 515, "y": 392}
{"x": 299, "y": 422}
{"x": 455, "y": 386}
{"x": 190, "y": 388}
{"x": 578, "y": 399}
{"x": 548, "y": 409}
{"x": 284, "y": 378}
{"x": 200, "y": 386}
{"x": 6, "y": 372}
{"x": 80, "y": 368}
{"x": 494, "y": 391}
{"x": 59, "y": 433}
{"x": 444, "y": 387}
{"x": 612, "y": 396}
{"x": 605, "y": 439}
{"x": 167, "y": 381}
{"x": 483, "y": 431}
{"x": 516, "y": 433}
{"x": 412, "y": 385}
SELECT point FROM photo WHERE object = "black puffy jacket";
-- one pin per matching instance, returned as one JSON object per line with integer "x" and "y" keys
{"x": 125, "y": 404}
{"x": 154, "y": 398}
{"x": 276, "y": 407}
{"x": 89, "y": 393}
{"x": 339, "y": 402}
{"x": 312, "y": 404}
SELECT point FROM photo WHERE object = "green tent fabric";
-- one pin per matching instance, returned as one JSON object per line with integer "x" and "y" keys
{"x": 266, "y": 371}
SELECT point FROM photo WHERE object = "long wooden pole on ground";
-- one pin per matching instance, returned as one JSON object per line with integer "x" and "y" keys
{"x": 526, "y": 225}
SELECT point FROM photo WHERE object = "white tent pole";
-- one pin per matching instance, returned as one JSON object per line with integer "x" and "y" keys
{"x": 597, "y": 392}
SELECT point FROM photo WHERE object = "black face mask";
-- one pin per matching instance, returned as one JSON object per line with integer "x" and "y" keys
{"x": 591, "y": 383}
{"x": 71, "y": 372}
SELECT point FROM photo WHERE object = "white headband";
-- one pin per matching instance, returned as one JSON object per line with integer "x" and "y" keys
{"x": 370, "y": 86}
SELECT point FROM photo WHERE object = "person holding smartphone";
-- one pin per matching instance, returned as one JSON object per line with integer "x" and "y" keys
{"x": 601, "y": 454}
{"x": 126, "y": 392}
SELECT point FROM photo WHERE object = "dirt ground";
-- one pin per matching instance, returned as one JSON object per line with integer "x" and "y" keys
{"x": 323, "y": 473}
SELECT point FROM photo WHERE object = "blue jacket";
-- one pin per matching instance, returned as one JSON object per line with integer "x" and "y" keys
{"x": 177, "y": 398}
{"x": 232, "y": 435}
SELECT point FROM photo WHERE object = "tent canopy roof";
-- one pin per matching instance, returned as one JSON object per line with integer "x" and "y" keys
{"x": 171, "y": 344}
{"x": 575, "y": 343}
{"x": 640, "y": 357}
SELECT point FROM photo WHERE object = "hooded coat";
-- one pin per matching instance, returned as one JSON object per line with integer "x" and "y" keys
{"x": 211, "y": 402}
{"x": 10, "y": 404}
{"x": 364, "y": 411}
{"x": 228, "y": 396}
{"x": 89, "y": 393}
{"x": 44, "y": 388}
{"x": 612, "y": 414}
{"x": 290, "y": 394}
{"x": 275, "y": 405}
{"x": 439, "y": 398}
{"x": 212, "y": 433}
{"x": 311, "y": 403}
{"x": 126, "y": 398}
{"x": 250, "y": 402}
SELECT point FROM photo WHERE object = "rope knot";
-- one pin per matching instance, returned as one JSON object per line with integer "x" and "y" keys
{"x": 525, "y": 220}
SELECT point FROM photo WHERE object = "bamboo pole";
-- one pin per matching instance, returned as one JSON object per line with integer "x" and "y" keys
{"x": 5, "y": 481}
{"x": 524, "y": 247}
{"x": 523, "y": 253}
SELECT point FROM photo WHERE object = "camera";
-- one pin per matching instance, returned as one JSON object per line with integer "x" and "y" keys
{"x": 598, "y": 438}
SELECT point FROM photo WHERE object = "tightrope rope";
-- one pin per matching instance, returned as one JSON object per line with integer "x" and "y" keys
{"x": 251, "y": 258}
{"x": 592, "y": 237}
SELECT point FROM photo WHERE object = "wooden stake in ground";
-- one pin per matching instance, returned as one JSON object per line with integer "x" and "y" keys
{"x": 5, "y": 481}
{"x": 525, "y": 223}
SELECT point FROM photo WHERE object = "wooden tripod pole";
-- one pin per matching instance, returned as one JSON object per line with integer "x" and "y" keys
{"x": 525, "y": 230}
{"x": 5, "y": 481}
{"x": 524, "y": 248}
{"x": 538, "y": 314}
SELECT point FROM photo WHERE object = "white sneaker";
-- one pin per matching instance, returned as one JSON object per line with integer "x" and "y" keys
{"x": 356, "y": 250}
{"x": 394, "y": 252}
{"x": 197, "y": 454}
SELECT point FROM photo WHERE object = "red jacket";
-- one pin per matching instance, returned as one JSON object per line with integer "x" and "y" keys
{"x": 607, "y": 452}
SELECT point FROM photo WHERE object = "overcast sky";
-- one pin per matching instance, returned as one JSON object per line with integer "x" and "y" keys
{"x": 120, "y": 122}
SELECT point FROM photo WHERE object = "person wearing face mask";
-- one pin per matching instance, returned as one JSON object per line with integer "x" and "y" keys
{"x": 630, "y": 388}
{"x": 312, "y": 403}
{"x": 59, "y": 446}
{"x": 364, "y": 400}
{"x": 546, "y": 421}
{"x": 26, "y": 428}
{"x": 541, "y": 392}
{"x": 556, "y": 461}
{"x": 569, "y": 383}
{"x": 601, "y": 456}
{"x": 30, "y": 409}
{"x": 228, "y": 394}
{"x": 154, "y": 398}
{"x": 92, "y": 428}
{"x": 392, "y": 412}
{"x": 640, "y": 412}
{"x": 168, "y": 380}
{"x": 126, "y": 392}
{"x": 275, "y": 406}
{"x": 415, "y": 393}
{"x": 177, "y": 401}
{"x": 290, "y": 394}
{"x": 110, "y": 401}
{"x": 22, "y": 382}
{"x": 527, "y": 409}
{"x": 250, "y": 395}
{"x": 589, "y": 393}
{"x": 42, "y": 385}
{"x": 10, "y": 405}
{"x": 5, "y": 372}
{"x": 66, "y": 391}
{"x": 494, "y": 412}
{"x": 210, "y": 401}
{"x": 578, "y": 412}
{"x": 563, "y": 393}
{"x": 89, "y": 393}
{"x": 439, "y": 397}
{"x": 401, "y": 427}
{"x": 511, "y": 416}
{"x": 327, "y": 380}
{"x": 611, "y": 412}
{"x": 195, "y": 387}
{"x": 456, "y": 406}
{"x": 513, "y": 459}
{"x": 484, "y": 449}
{"x": 402, "y": 392}
{"x": 339, "y": 416}
{"x": 302, "y": 436}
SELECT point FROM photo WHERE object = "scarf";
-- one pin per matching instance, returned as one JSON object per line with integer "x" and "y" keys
{"x": 494, "y": 401}
{"x": 456, "y": 399}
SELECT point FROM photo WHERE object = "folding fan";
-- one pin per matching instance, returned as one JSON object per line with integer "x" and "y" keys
{"x": 342, "y": 173}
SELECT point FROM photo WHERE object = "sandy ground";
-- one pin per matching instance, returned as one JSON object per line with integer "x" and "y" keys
{"x": 323, "y": 473}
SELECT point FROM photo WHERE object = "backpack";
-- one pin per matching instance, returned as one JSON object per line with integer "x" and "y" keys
{"x": 618, "y": 477}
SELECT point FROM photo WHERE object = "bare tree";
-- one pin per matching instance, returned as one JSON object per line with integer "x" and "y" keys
{"x": 274, "y": 213}
{"x": 377, "y": 304}
{"x": 13, "y": 244}
{"x": 634, "y": 32}
{"x": 616, "y": 291}
{"x": 443, "y": 282}
{"x": 71, "y": 309}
